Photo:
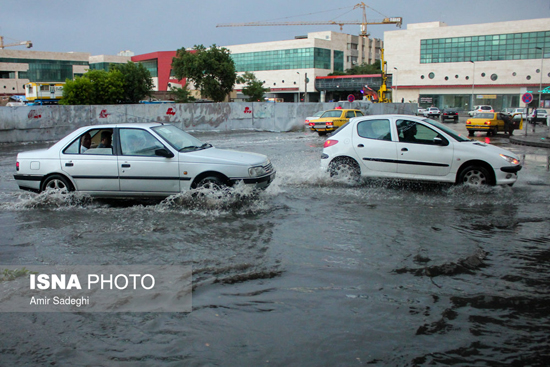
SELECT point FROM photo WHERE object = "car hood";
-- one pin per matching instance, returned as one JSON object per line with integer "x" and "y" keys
{"x": 226, "y": 156}
{"x": 489, "y": 148}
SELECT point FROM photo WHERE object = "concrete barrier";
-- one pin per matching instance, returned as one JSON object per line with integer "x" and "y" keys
{"x": 45, "y": 123}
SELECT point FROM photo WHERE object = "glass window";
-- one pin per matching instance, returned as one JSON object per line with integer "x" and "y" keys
{"x": 413, "y": 132}
{"x": 138, "y": 142}
{"x": 374, "y": 129}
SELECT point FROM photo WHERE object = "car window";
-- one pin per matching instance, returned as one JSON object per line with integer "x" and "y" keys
{"x": 413, "y": 132}
{"x": 350, "y": 114}
{"x": 332, "y": 114}
{"x": 484, "y": 115}
{"x": 89, "y": 143}
{"x": 138, "y": 142}
{"x": 359, "y": 113}
{"x": 374, "y": 129}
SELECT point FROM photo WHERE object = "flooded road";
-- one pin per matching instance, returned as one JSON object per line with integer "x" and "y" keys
{"x": 310, "y": 272}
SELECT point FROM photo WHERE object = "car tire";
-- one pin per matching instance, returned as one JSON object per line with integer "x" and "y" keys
{"x": 57, "y": 182}
{"x": 456, "y": 120}
{"x": 345, "y": 167}
{"x": 210, "y": 182}
{"x": 470, "y": 133}
{"x": 475, "y": 175}
{"x": 322, "y": 133}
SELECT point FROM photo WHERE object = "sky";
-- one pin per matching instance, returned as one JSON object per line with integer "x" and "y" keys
{"x": 106, "y": 27}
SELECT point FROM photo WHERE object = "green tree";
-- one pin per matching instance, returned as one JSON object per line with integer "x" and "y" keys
{"x": 211, "y": 70}
{"x": 138, "y": 83}
{"x": 254, "y": 88}
{"x": 182, "y": 95}
{"x": 94, "y": 87}
{"x": 362, "y": 69}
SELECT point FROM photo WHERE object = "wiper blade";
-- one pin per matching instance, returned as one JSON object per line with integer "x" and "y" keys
{"x": 189, "y": 147}
{"x": 205, "y": 146}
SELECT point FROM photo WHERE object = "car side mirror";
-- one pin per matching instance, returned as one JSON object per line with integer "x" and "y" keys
{"x": 440, "y": 141}
{"x": 163, "y": 152}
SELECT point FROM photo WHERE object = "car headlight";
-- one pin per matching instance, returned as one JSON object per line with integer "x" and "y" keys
{"x": 510, "y": 159}
{"x": 257, "y": 171}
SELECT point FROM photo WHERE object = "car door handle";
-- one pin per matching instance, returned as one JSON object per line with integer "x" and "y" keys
{"x": 404, "y": 150}
{"x": 360, "y": 146}
{"x": 70, "y": 164}
{"x": 125, "y": 165}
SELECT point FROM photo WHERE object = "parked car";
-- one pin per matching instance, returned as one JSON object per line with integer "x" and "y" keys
{"x": 491, "y": 123}
{"x": 482, "y": 108}
{"x": 539, "y": 115}
{"x": 420, "y": 112}
{"x": 449, "y": 114}
{"x": 314, "y": 117}
{"x": 332, "y": 119}
{"x": 432, "y": 112}
{"x": 413, "y": 148}
{"x": 145, "y": 159}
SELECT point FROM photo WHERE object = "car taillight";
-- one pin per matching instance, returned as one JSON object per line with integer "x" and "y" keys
{"x": 307, "y": 121}
{"x": 17, "y": 166}
{"x": 330, "y": 123}
{"x": 468, "y": 122}
{"x": 329, "y": 143}
{"x": 311, "y": 124}
{"x": 487, "y": 123}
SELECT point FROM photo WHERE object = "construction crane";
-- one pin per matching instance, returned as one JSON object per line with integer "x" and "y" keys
{"x": 395, "y": 20}
{"x": 28, "y": 44}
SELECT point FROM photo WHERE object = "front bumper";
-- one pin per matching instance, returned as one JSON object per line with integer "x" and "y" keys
{"x": 259, "y": 182}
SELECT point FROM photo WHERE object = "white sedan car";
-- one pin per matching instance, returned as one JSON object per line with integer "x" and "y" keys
{"x": 137, "y": 159}
{"x": 413, "y": 148}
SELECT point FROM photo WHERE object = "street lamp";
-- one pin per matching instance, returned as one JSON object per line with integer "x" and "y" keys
{"x": 396, "y": 70}
{"x": 540, "y": 87}
{"x": 473, "y": 83}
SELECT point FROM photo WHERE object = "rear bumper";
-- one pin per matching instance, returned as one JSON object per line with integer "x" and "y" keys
{"x": 28, "y": 182}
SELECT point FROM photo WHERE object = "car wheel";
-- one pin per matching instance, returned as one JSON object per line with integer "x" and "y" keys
{"x": 475, "y": 175}
{"x": 470, "y": 133}
{"x": 57, "y": 182}
{"x": 456, "y": 120}
{"x": 210, "y": 182}
{"x": 345, "y": 168}
{"x": 322, "y": 133}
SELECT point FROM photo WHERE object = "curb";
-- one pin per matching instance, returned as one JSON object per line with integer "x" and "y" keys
{"x": 540, "y": 143}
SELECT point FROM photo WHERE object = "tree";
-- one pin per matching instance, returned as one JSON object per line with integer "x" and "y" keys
{"x": 362, "y": 69}
{"x": 182, "y": 95}
{"x": 94, "y": 87}
{"x": 138, "y": 83}
{"x": 211, "y": 70}
{"x": 254, "y": 88}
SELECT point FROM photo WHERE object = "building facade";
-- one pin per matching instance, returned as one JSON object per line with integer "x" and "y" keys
{"x": 290, "y": 67}
{"x": 477, "y": 64}
{"x": 18, "y": 67}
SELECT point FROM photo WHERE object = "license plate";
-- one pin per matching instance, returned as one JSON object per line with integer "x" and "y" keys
{"x": 321, "y": 129}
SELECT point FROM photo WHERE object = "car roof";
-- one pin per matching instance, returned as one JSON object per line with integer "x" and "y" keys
{"x": 124, "y": 124}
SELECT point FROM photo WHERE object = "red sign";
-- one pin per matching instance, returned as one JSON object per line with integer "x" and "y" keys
{"x": 351, "y": 98}
{"x": 171, "y": 111}
{"x": 527, "y": 98}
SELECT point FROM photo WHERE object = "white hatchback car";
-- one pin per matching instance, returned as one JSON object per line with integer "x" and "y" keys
{"x": 137, "y": 159}
{"x": 413, "y": 148}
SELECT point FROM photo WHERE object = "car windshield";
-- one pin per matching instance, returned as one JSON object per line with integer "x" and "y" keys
{"x": 179, "y": 139}
{"x": 447, "y": 130}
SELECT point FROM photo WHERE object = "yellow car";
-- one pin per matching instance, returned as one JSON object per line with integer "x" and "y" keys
{"x": 493, "y": 122}
{"x": 331, "y": 120}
